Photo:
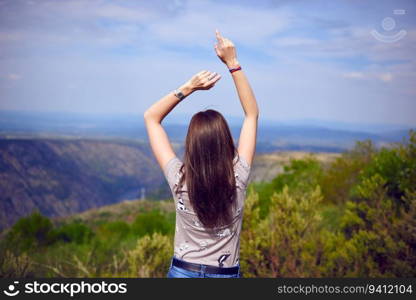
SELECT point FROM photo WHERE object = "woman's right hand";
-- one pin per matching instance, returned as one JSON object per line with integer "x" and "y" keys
{"x": 226, "y": 51}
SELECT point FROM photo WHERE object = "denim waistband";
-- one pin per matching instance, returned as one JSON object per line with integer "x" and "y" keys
{"x": 194, "y": 267}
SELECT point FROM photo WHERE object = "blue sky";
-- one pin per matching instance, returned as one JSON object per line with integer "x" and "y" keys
{"x": 306, "y": 59}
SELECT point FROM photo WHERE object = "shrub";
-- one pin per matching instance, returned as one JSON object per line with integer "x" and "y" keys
{"x": 113, "y": 231}
{"x": 283, "y": 244}
{"x": 381, "y": 240}
{"x": 301, "y": 175}
{"x": 373, "y": 231}
{"x": 153, "y": 221}
{"x": 151, "y": 257}
{"x": 15, "y": 266}
{"x": 75, "y": 233}
{"x": 342, "y": 174}
{"x": 30, "y": 233}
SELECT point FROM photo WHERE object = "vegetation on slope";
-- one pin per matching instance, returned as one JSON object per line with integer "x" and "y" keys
{"x": 355, "y": 216}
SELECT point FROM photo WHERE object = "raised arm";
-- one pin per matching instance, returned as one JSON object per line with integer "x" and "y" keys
{"x": 247, "y": 142}
{"x": 154, "y": 115}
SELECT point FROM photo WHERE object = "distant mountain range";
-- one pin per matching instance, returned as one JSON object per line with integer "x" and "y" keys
{"x": 307, "y": 135}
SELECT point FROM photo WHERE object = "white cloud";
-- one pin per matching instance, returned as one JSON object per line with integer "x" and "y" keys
{"x": 385, "y": 77}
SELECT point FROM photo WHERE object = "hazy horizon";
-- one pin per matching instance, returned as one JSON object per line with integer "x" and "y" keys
{"x": 30, "y": 121}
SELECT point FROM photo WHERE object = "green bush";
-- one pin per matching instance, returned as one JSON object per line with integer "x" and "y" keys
{"x": 368, "y": 230}
{"x": 30, "y": 233}
{"x": 151, "y": 257}
{"x": 300, "y": 174}
{"x": 342, "y": 174}
{"x": 284, "y": 243}
{"x": 113, "y": 231}
{"x": 75, "y": 233}
{"x": 153, "y": 221}
{"x": 397, "y": 167}
{"x": 15, "y": 266}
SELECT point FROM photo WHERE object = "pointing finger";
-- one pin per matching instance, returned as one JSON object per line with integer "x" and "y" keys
{"x": 219, "y": 36}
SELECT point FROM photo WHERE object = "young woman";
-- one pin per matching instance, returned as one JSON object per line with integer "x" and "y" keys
{"x": 209, "y": 185}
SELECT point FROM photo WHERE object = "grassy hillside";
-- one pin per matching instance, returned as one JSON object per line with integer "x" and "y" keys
{"x": 125, "y": 211}
{"x": 267, "y": 166}
{"x": 353, "y": 216}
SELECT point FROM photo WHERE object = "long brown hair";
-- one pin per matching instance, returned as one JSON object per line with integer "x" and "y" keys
{"x": 208, "y": 168}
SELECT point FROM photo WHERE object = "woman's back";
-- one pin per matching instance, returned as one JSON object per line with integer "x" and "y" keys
{"x": 217, "y": 187}
{"x": 193, "y": 243}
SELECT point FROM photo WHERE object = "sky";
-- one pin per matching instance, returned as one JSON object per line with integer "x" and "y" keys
{"x": 346, "y": 61}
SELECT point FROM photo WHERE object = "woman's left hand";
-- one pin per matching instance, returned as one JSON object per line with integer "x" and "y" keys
{"x": 203, "y": 80}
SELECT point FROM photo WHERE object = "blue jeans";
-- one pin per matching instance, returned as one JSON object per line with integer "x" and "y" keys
{"x": 176, "y": 272}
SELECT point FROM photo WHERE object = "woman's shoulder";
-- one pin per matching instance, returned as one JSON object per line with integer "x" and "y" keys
{"x": 174, "y": 161}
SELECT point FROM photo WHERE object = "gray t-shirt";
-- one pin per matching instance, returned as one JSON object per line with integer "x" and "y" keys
{"x": 193, "y": 243}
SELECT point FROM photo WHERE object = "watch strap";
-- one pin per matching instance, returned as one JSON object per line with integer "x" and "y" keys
{"x": 179, "y": 94}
